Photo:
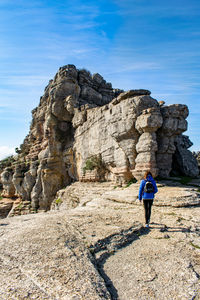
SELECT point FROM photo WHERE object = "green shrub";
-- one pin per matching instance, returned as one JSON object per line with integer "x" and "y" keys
{"x": 171, "y": 214}
{"x": 133, "y": 180}
{"x": 194, "y": 245}
{"x": 185, "y": 180}
{"x": 89, "y": 164}
{"x": 19, "y": 206}
{"x": 182, "y": 179}
{"x": 93, "y": 162}
{"x": 58, "y": 201}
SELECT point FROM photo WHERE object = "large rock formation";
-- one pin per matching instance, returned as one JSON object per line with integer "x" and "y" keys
{"x": 85, "y": 130}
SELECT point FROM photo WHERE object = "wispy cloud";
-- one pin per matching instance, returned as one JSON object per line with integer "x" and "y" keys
{"x": 155, "y": 7}
{"x": 6, "y": 151}
{"x": 85, "y": 25}
{"x": 137, "y": 66}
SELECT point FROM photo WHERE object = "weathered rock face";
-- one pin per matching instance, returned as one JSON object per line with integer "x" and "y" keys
{"x": 174, "y": 124}
{"x": 197, "y": 156}
{"x": 184, "y": 161}
{"x": 8, "y": 186}
{"x": 147, "y": 124}
{"x": 110, "y": 131}
{"x": 85, "y": 130}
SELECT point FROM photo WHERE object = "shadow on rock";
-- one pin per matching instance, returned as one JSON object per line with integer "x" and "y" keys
{"x": 107, "y": 247}
{"x": 164, "y": 228}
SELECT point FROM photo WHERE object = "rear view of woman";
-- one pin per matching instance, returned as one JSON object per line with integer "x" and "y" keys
{"x": 147, "y": 191}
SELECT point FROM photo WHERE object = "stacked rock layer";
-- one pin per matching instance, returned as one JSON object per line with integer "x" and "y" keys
{"x": 85, "y": 130}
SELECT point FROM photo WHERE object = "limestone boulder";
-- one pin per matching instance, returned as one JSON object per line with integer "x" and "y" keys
{"x": 90, "y": 95}
{"x": 79, "y": 118}
{"x": 164, "y": 162}
{"x": 30, "y": 180}
{"x": 17, "y": 179}
{"x": 174, "y": 124}
{"x": 85, "y": 78}
{"x": 132, "y": 93}
{"x": 174, "y": 118}
{"x": 185, "y": 162}
{"x": 147, "y": 143}
{"x": 197, "y": 156}
{"x": 147, "y": 124}
{"x": 97, "y": 80}
{"x": 166, "y": 144}
{"x": 7, "y": 181}
{"x": 58, "y": 98}
{"x": 149, "y": 121}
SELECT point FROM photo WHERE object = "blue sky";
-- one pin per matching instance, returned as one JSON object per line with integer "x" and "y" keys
{"x": 134, "y": 44}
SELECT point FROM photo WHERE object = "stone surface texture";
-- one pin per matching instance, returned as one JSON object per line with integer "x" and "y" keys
{"x": 85, "y": 130}
{"x": 197, "y": 156}
{"x": 99, "y": 249}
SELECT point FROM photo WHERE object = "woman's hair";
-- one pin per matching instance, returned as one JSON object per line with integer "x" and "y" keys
{"x": 146, "y": 174}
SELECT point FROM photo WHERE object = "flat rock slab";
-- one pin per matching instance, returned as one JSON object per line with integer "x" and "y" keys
{"x": 98, "y": 194}
{"x": 162, "y": 263}
{"x": 99, "y": 250}
{"x": 177, "y": 196}
{"x": 43, "y": 257}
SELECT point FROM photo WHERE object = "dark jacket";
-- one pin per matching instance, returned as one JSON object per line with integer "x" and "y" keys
{"x": 142, "y": 194}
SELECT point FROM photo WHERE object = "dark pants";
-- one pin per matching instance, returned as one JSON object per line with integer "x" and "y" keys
{"x": 147, "y": 209}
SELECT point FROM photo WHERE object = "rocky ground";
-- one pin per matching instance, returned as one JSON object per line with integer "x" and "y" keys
{"x": 93, "y": 245}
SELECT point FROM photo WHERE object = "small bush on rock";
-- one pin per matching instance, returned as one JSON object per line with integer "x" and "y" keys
{"x": 185, "y": 179}
{"x": 93, "y": 162}
{"x": 58, "y": 201}
{"x": 133, "y": 180}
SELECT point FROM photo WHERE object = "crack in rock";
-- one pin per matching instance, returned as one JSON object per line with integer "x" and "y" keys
{"x": 106, "y": 247}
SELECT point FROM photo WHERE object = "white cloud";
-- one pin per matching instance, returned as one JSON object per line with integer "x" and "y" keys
{"x": 127, "y": 67}
{"x": 86, "y": 25}
{"x": 6, "y": 151}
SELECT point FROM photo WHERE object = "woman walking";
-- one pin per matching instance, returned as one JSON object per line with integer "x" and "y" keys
{"x": 146, "y": 193}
